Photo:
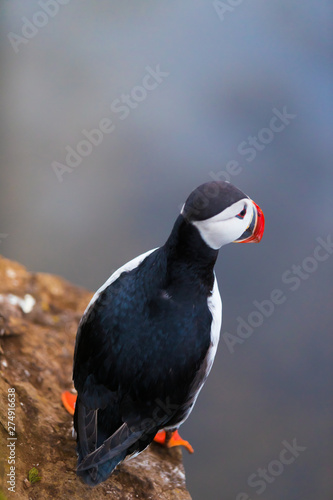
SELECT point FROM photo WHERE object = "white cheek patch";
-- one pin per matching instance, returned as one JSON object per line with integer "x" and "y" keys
{"x": 225, "y": 227}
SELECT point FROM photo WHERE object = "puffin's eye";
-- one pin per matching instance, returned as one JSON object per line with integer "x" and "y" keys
{"x": 241, "y": 214}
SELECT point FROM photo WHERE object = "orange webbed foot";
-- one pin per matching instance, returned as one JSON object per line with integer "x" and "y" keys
{"x": 171, "y": 439}
{"x": 68, "y": 400}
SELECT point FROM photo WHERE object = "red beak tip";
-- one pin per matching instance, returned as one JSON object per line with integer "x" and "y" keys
{"x": 259, "y": 228}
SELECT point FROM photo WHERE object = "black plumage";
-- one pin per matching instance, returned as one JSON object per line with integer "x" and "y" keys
{"x": 140, "y": 348}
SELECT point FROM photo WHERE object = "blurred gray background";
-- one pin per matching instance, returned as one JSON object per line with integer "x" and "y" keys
{"x": 232, "y": 66}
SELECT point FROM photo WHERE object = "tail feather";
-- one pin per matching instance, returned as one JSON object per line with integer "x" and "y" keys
{"x": 97, "y": 475}
{"x": 98, "y": 452}
{"x": 86, "y": 428}
{"x": 115, "y": 445}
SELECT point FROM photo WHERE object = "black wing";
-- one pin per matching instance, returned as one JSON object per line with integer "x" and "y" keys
{"x": 137, "y": 354}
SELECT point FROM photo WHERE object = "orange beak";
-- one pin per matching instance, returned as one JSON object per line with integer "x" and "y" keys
{"x": 255, "y": 230}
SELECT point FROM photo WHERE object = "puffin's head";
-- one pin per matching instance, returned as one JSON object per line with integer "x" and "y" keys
{"x": 224, "y": 214}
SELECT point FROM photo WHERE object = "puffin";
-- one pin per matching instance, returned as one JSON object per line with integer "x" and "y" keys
{"x": 147, "y": 340}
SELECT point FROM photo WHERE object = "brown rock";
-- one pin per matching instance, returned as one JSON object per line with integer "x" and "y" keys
{"x": 39, "y": 314}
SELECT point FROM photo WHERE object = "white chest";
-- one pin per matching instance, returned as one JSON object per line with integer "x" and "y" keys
{"x": 215, "y": 307}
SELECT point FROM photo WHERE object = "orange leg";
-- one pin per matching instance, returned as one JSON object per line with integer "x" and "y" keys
{"x": 68, "y": 400}
{"x": 171, "y": 439}
{"x": 168, "y": 439}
